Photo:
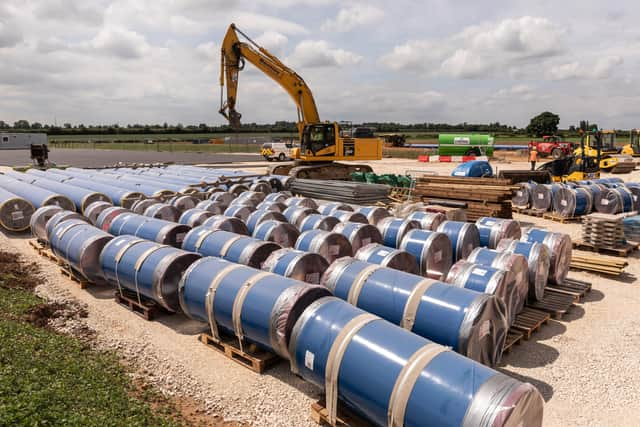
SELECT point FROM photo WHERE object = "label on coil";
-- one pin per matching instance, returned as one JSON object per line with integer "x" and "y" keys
{"x": 334, "y": 249}
{"x": 605, "y": 202}
{"x": 437, "y": 256}
{"x": 479, "y": 272}
{"x": 563, "y": 202}
{"x": 383, "y": 252}
{"x": 484, "y": 329}
{"x": 312, "y": 277}
{"x": 540, "y": 196}
{"x": 309, "y": 357}
{"x": 180, "y": 237}
{"x": 489, "y": 223}
{"x": 460, "y": 173}
{"x": 17, "y": 216}
{"x": 519, "y": 193}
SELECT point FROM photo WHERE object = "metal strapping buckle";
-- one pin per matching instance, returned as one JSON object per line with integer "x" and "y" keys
{"x": 358, "y": 283}
{"x": 210, "y": 299}
{"x": 413, "y": 302}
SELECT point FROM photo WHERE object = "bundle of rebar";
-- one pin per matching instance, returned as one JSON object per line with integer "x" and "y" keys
{"x": 482, "y": 196}
{"x": 341, "y": 191}
{"x": 603, "y": 230}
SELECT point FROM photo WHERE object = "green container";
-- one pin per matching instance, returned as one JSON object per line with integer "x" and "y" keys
{"x": 454, "y": 144}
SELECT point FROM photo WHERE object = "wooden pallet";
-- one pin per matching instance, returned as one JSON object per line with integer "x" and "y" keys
{"x": 529, "y": 320}
{"x": 143, "y": 308}
{"x": 250, "y": 356}
{"x": 622, "y": 251}
{"x": 528, "y": 211}
{"x": 81, "y": 281}
{"x": 576, "y": 288}
{"x": 555, "y": 303}
{"x": 344, "y": 418}
{"x": 598, "y": 263}
{"x": 513, "y": 337}
{"x": 561, "y": 219}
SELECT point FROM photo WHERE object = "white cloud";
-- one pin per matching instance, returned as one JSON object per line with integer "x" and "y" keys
{"x": 318, "y": 53}
{"x": 353, "y": 16}
{"x": 273, "y": 41}
{"x": 121, "y": 43}
{"x": 600, "y": 68}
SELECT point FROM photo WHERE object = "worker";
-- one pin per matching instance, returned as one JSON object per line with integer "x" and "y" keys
{"x": 533, "y": 157}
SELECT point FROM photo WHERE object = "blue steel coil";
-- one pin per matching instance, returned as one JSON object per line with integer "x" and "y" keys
{"x": 301, "y": 202}
{"x": 238, "y": 189}
{"x": 319, "y": 222}
{"x": 634, "y": 189}
{"x": 108, "y": 215}
{"x": 183, "y": 202}
{"x": 492, "y": 230}
{"x": 349, "y": 216}
{"x": 39, "y": 219}
{"x": 141, "y": 205}
{"x": 227, "y": 223}
{"x": 432, "y": 251}
{"x": 38, "y": 197}
{"x": 155, "y": 230}
{"x": 543, "y": 196}
{"x": 230, "y": 246}
{"x": 260, "y": 186}
{"x": 57, "y": 218}
{"x": 429, "y": 221}
{"x": 194, "y": 217}
{"x": 260, "y": 216}
{"x": 120, "y": 197}
{"x": 464, "y": 238}
{"x": 162, "y": 211}
{"x": 47, "y": 175}
{"x": 253, "y": 305}
{"x": 538, "y": 262}
{"x": 388, "y": 257}
{"x": 329, "y": 207}
{"x": 272, "y": 206}
{"x": 282, "y": 233}
{"x": 214, "y": 207}
{"x": 222, "y": 197}
{"x": 146, "y": 188}
{"x": 393, "y": 230}
{"x": 489, "y": 280}
{"x": 523, "y": 196}
{"x": 94, "y": 210}
{"x": 242, "y": 212}
{"x": 374, "y": 213}
{"x": 560, "y": 248}
{"x": 328, "y": 244}
{"x": 79, "y": 245}
{"x": 149, "y": 269}
{"x": 15, "y": 212}
{"x": 572, "y": 202}
{"x": 294, "y": 264}
{"x": 417, "y": 383}
{"x": 279, "y": 197}
{"x": 249, "y": 197}
{"x": 595, "y": 190}
{"x": 508, "y": 261}
{"x": 295, "y": 215}
{"x": 158, "y": 186}
{"x": 358, "y": 234}
{"x": 471, "y": 323}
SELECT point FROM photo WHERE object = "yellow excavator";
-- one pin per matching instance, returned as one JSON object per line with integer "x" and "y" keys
{"x": 610, "y": 158}
{"x": 633, "y": 147}
{"x": 321, "y": 143}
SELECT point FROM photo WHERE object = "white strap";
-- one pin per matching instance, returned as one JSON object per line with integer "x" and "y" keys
{"x": 141, "y": 259}
{"x": 413, "y": 302}
{"x": 119, "y": 256}
{"x": 358, "y": 283}
{"x": 210, "y": 298}
{"x": 238, "y": 302}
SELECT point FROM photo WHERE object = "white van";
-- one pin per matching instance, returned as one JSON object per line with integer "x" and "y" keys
{"x": 280, "y": 151}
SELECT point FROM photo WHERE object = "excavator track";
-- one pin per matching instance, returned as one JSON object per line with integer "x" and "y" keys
{"x": 331, "y": 170}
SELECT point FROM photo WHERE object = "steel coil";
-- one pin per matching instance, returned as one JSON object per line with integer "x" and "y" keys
{"x": 329, "y": 207}
{"x": 79, "y": 245}
{"x": 38, "y": 197}
{"x": 256, "y": 306}
{"x": 249, "y": 197}
{"x": 560, "y": 248}
{"x": 279, "y": 197}
{"x": 301, "y": 202}
{"x": 397, "y": 259}
{"x": 572, "y": 202}
{"x": 374, "y": 214}
{"x": 432, "y": 251}
{"x": 222, "y": 197}
{"x": 119, "y": 196}
{"x": 326, "y": 243}
{"x": 295, "y": 215}
{"x": 340, "y": 348}
{"x": 523, "y": 196}
{"x": 348, "y": 216}
{"x": 230, "y": 246}
{"x": 194, "y": 217}
{"x": 242, "y": 212}
{"x": 492, "y": 230}
{"x": 451, "y": 214}
{"x": 94, "y": 210}
{"x": 272, "y": 206}
{"x": 282, "y": 233}
{"x": 471, "y": 323}
{"x": 393, "y": 230}
{"x": 15, "y": 212}
{"x": 538, "y": 259}
{"x": 140, "y": 206}
{"x": 429, "y": 221}
{"x": 359, "y": 235}
{"x": 226, "y": 223}
{"x": 543, "y": 196}
{"x": 162, "y": 211}
{"x": 634, "y": 188}
{"x": 261, "y": 187}
{"x": 318, "y": 222}
{"x": 260, "y": 216}
{"x": 146, "y": 268}
{"x": 214, "y": 207}
{"x": 464, "y": 238}
{"x": 156, "y": 230}
{"x": 57, "y": 218}
{"x": 304, "y": 266}
{"x": 108, "y": 215}
{"x": 237, "y": 189}
{"x": 39, "y": 219}
{"x": 183, "y": 202}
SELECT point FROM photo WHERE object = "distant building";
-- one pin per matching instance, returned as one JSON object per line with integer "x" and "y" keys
{"x": 21, "y": 141}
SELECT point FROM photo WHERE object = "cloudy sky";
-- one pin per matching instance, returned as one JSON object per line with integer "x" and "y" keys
{"x": 151, "y": 61}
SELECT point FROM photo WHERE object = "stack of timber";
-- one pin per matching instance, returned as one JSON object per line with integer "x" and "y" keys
{"x": 597, "y": 263}
{"x": 482, "y": 196}
{"x": 603, "y": 230}
{"x": 358, "y": 193}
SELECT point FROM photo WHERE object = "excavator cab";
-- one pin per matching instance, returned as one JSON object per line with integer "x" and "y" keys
{"x": 583, "y": 164}
{"x": 633, "y": 148}
{"x": 609, "y": 142}
{"x": 318, "y": 140}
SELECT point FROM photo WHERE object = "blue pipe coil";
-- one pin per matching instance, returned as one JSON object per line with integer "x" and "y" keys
{"x": 162, "y": 211}
{"x": 37, "y": 196}
{"x": 156, "y": 230}
{"x": 254, "y": 305}
{"x": 282, "y": 233}
{"x": 144, "y": 188}
{"x": 359, "y": 234}
{"x": 194, "y": 217}
{"x": 272, "y": 206}
{"x": 538, "y": 259}
{"x": 294, "y": 264}
{"x": 279, "y": 197}
{"x": 149, "y": 269}
{"x": 572, "y": 202}
{"x": 432, "y": 251}
{"x": 374, "y": 213}
{"x": 349, "y": 216}
{"x": 227, "y": 223}
{"x": 119, "y": 196}
{"x": 471, "y": 323}
{"x": 388, "y": 257}
{"x": 261, "y": 186}
{"x": 230, "y": 246}
{"x": 59, "y": 217}
{"x": 295, "y": 215}
{"x": 394, "y": 229}
{"x": 241, "y": 212}
{"x": 222, "y": 197}
{"x": 79, "y": 244}
{"x": 301, "y": 202}
{"x": 318, "y": 221}
{"x": 183, "y": 202}
{"x": 15, "y": 212}
{"x": 39, "y": 219}
{"x": 328, "y": 244}
{"x": 492, "y": 230}
{"x": 328, "y": 208}
{"x": 464, "y": 238}
{"x": 212, "y": 206}
{"x": 250, "y": 197}
{"x": 332, "y": 346}
{"x": 94, "y": 210}
{"x": 261, "y": 216}
{"x": 428, "y": 220}
{"x": 150, "y": 182}
{"x": 560, "y": 248}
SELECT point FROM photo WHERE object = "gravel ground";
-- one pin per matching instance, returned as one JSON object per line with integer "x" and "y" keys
{"x": 587, "y": 365}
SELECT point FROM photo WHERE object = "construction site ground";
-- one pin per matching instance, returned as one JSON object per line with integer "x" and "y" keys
{"x": 586, "y": 365}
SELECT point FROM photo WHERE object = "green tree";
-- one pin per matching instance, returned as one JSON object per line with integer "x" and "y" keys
{"x": 21, "y": 124}
{"x": 544, "y": 124}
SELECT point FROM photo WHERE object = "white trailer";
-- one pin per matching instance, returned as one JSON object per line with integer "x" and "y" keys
{"x": 21, "y": 141}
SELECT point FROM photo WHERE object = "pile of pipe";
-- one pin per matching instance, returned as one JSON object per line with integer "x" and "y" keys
{"x": 340, "y": 191}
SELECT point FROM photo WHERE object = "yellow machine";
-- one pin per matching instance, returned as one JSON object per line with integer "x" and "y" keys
{"x": 610, "y": 160}
{"x": 321, "y": 143}
{"x": 633, "y": 147}
{"x": 582, "y": 165}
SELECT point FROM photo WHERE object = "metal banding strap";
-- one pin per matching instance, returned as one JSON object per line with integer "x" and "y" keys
{"x": 334, "y": 360}
{"x": 358, "y": 283}
{"x": 211, "y": 295}
{"x": 406, "y": 381}
{"x": 141, "y": 259}
{"x": 66, "y": 249}
{"x": 203, "y": 236}
{"x": 413, "y": 302}
{"x": 227, "y": 245}
{"x": 138, "y": 228}
{"x": 238, "y": 302}
{"x": 119, "y": 255}
{"x": 61, "y": 233}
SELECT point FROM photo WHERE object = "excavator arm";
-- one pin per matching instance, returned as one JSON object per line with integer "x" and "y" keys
{"x": 232, "y": 61}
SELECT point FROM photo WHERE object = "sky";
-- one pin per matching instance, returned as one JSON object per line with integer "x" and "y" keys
{"x": 408, "y": 61}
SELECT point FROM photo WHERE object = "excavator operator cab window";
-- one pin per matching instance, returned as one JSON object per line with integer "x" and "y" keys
{"x": 316, "y": 138}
